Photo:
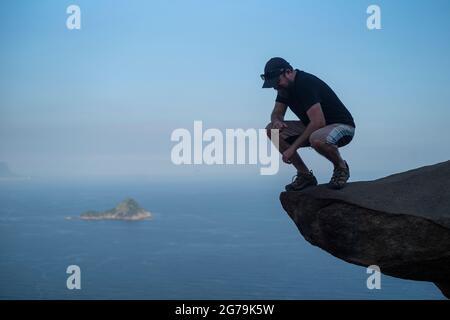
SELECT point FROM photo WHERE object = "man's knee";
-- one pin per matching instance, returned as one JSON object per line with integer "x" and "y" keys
{"x": 316, "y": 143}
{"x": 314, "y": 140}
{"x": 318, "y": 139}
{"x": 269, "y": 129}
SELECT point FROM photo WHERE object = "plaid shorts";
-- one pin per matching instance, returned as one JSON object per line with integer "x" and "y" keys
{"x": 337, "y": 134}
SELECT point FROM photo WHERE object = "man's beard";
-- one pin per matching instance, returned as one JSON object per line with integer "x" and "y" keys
{"x": 290, "y": 84}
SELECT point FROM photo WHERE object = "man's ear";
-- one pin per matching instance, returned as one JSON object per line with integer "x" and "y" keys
{"x": 289, "y": 72}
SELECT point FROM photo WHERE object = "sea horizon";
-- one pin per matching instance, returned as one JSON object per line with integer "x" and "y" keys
{"x": 205, "y": 241}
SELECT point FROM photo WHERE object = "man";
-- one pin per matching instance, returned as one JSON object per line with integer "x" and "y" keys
{"x": 326, "y": 124}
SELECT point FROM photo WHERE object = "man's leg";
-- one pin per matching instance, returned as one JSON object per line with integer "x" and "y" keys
{"x": 329, "y": 151}
{"x": 297, "y": 161}
{"x": 326, "y": 141}
{"x": 304, "y": 177}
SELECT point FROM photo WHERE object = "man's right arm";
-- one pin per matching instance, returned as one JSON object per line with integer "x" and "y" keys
{"x": 277, "y": 116}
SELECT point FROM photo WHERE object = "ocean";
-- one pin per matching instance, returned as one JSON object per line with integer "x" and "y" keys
{"x": 207, "y": 240}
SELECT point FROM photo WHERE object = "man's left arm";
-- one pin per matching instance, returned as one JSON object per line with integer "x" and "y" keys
{"x": 317, "y": 121}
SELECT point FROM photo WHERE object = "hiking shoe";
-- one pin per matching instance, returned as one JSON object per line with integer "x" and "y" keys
{"x": 340, "y": 177}
{"x": 302, "y": 181}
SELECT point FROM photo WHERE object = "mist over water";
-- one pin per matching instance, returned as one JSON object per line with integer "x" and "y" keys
{"x": 207, "y": 240}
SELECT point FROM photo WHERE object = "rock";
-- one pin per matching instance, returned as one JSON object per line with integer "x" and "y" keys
{"x": 400, "y": 223}
{"x": 128, "y": 209}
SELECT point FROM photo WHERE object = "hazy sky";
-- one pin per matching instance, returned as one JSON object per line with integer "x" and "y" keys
{"x": 104, "y": 99}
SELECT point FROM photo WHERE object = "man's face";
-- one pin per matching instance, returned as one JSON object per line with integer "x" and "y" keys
{"x": 284, "y": 81}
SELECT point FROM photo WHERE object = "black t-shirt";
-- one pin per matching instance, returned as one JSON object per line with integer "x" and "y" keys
{"x": 309, "y": 90}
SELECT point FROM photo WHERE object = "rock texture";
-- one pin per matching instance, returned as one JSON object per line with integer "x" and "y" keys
{"x": 400, "y": 223}
{"x": 128, "y": 209}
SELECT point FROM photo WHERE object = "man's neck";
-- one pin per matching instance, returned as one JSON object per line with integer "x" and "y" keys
{"x": 294, "y": 75}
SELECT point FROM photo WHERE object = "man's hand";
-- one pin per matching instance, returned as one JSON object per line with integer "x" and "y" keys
{"x": 287, "y": 155}
{"x": 280, "y": 125}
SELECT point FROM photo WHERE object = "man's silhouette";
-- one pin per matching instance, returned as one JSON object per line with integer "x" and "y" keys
{"x": 325, "y": 123}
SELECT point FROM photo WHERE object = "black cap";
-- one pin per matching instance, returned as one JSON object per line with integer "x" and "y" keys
{"x": 274, "y": 67}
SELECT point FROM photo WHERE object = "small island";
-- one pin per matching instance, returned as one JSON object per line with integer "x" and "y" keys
{"x": 128, "y": 209}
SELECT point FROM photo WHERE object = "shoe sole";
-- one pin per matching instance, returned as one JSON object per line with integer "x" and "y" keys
{"x": 336, "y": 187}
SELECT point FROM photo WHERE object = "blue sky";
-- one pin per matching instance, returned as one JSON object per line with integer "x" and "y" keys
{"x": 104, "y": 99}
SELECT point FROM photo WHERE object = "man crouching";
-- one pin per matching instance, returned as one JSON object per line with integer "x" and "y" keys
{"x": 325, "y": 123}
